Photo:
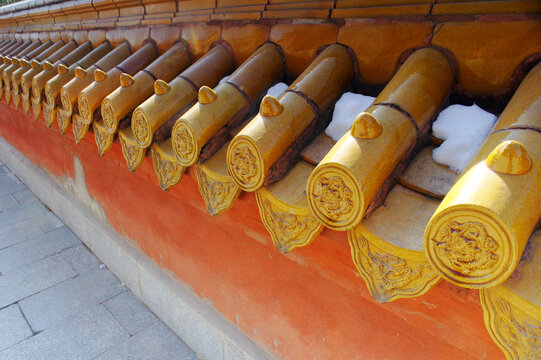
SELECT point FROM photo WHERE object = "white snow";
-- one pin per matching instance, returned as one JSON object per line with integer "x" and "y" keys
{"x": 463, "y": 129}
{"x": 277, "y": 89}
{"x": 345, "y": 111}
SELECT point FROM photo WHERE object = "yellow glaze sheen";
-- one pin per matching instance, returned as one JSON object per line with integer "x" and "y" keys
{"x": 284, "y": 210}
{"x": 166, "y": 167}
{"x": 387, "y": 247}
{"x": 84, "y": 77}
{"x": 104, "y": 140}
{"x": 345, "y": 182}
{"x": 48, "y": 49}
{"x": 49, "y": 113}
{"x": 126, "y": 97}
{"x": 40, "y": 80}
{"x": 512, "y": 310}
{"x": 23, "y": 77}
{"x": 158, "y": 109}
{"x": 16, "y": 63}
{"x": 29, "y": 78}
{"x": 64, "y": 119}
{"x": 132, "y": 152}
{"x": 478, "y": 233}
{"x": 91, "y": 97}
{"x": 215, "y": 184}
{"x": 65, "y": 74}
{"x": 265, "y": 138}
{"x": 195, "y": 127}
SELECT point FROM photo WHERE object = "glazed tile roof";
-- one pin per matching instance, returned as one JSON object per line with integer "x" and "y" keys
{"x": 410, "y": 221}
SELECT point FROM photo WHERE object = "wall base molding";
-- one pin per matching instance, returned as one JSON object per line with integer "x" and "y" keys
{"x": 198, "y": 324}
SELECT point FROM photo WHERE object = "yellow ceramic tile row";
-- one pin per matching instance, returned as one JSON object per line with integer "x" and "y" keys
{"x": 346, "y": 181}
{"x": 478, "y": 233}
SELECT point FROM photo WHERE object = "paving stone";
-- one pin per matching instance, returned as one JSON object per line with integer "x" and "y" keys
{"x": 49, "y": 307}
{"x": 30, "y": 251}
{"x": 13, "y": 327}
{"x": 21, "y": 231}
{"x": 154, "y": 343}
{"x": 22, "y": 213}
{"x": 33, "y": 278}
{"x": 7, "y": 176}
{"x": 80, "y": 258}
{"x": 7, "y": 202}
{"x": 11, "y": 187}
{"x": 118, "y": 257}
{"x": 184, "y": 320}
{"x": 25, "y": 197}
{"x": 82, "y": 337}
{"x": 131, "y": 314}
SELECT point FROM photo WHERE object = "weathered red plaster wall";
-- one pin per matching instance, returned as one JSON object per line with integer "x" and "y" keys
{"x": 310, "y": 304}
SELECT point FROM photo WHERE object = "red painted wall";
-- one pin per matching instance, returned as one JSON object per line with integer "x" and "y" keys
{"x": 309, "y": 304}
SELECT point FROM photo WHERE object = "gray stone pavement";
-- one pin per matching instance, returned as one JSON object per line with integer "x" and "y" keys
{"x": 57, "y": 301}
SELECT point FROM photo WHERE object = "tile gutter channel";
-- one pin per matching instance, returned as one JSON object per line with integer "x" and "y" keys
{"x": 199, "y": 325}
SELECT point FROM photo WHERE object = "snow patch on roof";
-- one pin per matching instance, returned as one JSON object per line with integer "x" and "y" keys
{"x": 277, "y": 90}
{"x": 345, "y": 111}
{"x": 463, "y": 129}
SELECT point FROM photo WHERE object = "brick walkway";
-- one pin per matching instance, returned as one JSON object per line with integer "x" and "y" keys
{"x": 57, "y": 301}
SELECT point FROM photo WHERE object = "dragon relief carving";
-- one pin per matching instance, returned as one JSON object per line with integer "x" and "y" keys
{"x": 16, "y": 99}
{"x": 183, "y": 143}
{"x": 84, "y": 108}
{"x": 79, "y": 128}
{"x": 140, "y": 127}
{"x": 7, "y": 91}
{"x": 516, "y": 333}
{"x": 218, "y": 195}
{"x": 133, "y": 155}
{"x": 36, "y": 107}
{"x": 108, "y": 115}
{"x": 244, "y": 163}
{"x": 63, "y": 120}
{"x": 288, "y": 231}
{"x": 49, "y": 96}
{"x": 467, "y": 247}
{"x": 169, "y": 172}
{"x": 26, "y": 104}
{"x": 103, "y": 140}
{"x": 25, "y": 88}
{"x": 65, "y": 100}
{"x": 48, "y": 114}
{"x": 333, "y": 197}
{"x": 389, "y": 276}
{"x": 36, "y": 91}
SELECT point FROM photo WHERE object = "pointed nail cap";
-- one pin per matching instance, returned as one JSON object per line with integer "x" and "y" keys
{"x": 47, "y": 65}
{"x": 34, "y": 64}
{"x": 7, "y": 60}
{"x": 80, "y": 72}
{"x": 270, "y": 106}
{"x": 14, "y": 60}
{"x": 23, "y": 62}
{"x": 510, "y": 158}
{"x": 100, "y": 75}
{"x": 126, "y": 80}
{"x": 161, "y": 87}
{"x": 62, "y": 69}
{"x": 366, "y": 126}
{"x": 206, "y": 95}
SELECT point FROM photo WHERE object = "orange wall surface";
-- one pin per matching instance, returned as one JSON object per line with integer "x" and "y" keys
{"x": 308, "y": 304}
